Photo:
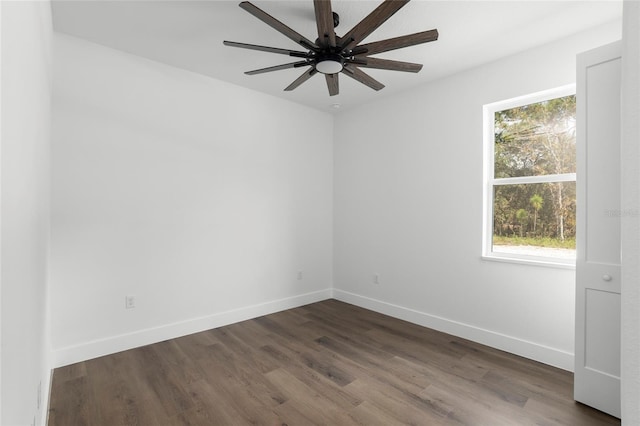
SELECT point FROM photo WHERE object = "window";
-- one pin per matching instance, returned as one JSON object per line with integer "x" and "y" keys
{"x": 530, "y": 178}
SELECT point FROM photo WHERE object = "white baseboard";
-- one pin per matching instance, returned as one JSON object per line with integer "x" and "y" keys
{"x": 531, "y": 350}
{"x": 101, "y": 347}
{"x": 110, "y": 345}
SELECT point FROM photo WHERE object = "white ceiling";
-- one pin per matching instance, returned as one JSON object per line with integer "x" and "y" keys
{"x": 189, "y": 35}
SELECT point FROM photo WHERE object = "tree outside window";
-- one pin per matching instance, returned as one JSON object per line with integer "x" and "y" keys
{"x": 530, "y": 164}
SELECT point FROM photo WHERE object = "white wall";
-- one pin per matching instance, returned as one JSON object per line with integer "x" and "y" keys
{"x": 24, "y": 212}
{"x": 408, "y": 206}
{"x": 631, "y": 223}
{"x": 201, "y": 198}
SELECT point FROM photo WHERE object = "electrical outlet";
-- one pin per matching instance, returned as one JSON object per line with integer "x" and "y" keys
{"x": 299, "y": 275}
{"x": 376, "y": 278}
{"x": 130, "y": 302}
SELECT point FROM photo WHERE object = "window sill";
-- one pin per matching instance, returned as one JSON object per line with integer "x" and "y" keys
{"x": 531, "y": 260}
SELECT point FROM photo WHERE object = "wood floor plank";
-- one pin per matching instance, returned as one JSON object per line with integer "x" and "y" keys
{"x": 393, "y": 404}
{"x": 569, "y": 414}
{"x": 469, "y": 411}
{"x": 178, "y": 361}
{"x": 315, "y": 405}
{"x": 197, "y": 345}
{"x": 71, "y": 400}
{"x": 203, "y": 393}
{"x": 369, "y": 414}
{"x": 517, "y": 366}
{"x": 327, "y": 363}
{"x": 250, "y": 333}
{"x": 164, "y": 382}
{"x": 475, "y": 392}
{"x": 292, "y": 415}
{"x": 425, "y": 355}
{"x": 387, "y": 373}
{"x": 322, "y": 385}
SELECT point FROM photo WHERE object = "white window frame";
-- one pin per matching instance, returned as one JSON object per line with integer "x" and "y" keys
{"x": 490, "y": 181}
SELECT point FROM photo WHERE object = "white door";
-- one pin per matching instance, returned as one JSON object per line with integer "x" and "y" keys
{"x": 597, "y": 340}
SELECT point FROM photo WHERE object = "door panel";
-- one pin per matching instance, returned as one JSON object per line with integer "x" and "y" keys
{"x": 602, "y": 339}
{"x": 597, "y": 340}
{"x": 602, "y": 176}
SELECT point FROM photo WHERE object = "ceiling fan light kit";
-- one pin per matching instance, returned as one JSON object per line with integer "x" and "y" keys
{"x": 330, "y": 54}
{"x": 329, "y": 64}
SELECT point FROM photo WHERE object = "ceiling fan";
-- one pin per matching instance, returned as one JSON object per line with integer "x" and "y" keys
{"x": 331, "y": 54}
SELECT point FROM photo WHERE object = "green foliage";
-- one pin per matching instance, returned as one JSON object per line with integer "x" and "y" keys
{"x": 522, "y": 216}
{"x": 532, "y": 140}
{"x": 536, "y": 139}
{"x": 536, "y": 202}
{"x": 568, "y": 243}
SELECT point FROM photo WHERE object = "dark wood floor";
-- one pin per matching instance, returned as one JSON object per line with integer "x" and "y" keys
{"x": 325, "y": 363}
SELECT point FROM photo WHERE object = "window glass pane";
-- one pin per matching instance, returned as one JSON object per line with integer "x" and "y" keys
{"x": 535, "y": 219}
{"x": 536, "y": 139}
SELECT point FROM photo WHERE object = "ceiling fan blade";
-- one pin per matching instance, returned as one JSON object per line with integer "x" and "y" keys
{"x": 278, "y": 67}
{"x": 324, "y": 22}
{"x": 288, "y": 52}
{"x": 364, "y": 78}
{"x": 386, "y": 64}
{"x": 278, "y": 26}
{"x": 304, "y": 77}
{"x": 397, "y": 42}
{"x": 371, "y": 22}
{"x": 332, "y": 84}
